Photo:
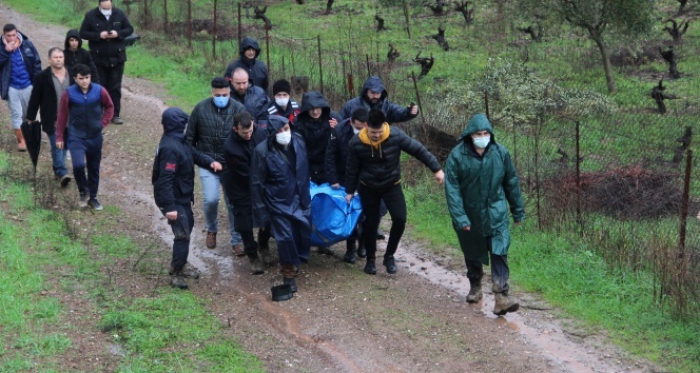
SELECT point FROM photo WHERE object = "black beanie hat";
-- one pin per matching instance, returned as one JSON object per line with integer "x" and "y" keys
{"x": 281, "y": 86}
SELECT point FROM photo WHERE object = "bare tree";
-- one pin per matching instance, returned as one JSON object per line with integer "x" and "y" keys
{"x": 260, "y": 14}
{"x": 534, "y": 32}
{"x": 468, "y": 14}
{"x": 682, "y": 6}
{"x": 393, "y": 53}
{"x": 677, "y": 30}
{"x": 380, "y": 23}
{"x": 329, "y": 6}
{"x": 426, "y": 63}
{"x": 670, "y": 56}
{"x": 440, "y": 38}
{"x": 657, "y": 93}
{"x": 440, "y": 8}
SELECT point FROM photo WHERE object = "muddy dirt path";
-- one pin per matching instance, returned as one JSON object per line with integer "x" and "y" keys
{"x": 341, "y": 320}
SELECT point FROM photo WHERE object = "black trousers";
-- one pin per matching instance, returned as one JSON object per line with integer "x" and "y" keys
{"x": 371, "y": 205}
{"x": 111, "y": 79}
{"x": 243, "y": 224}
{"x": 499, "y": 270}
{"x": 182, "y": 229}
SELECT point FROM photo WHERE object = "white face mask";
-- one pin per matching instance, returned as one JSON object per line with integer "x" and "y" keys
{"x": 355, "y": 130}
{"x": 106, "y": 13}
{"x": 282, "y": 102}
{"x": 284, "y": 138}
{"x": 482, "y": 142}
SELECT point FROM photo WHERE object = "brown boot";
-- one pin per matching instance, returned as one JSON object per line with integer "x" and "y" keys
{"x": 211, "y": 240}
{"x": 475, "y": 293}
{"x": 21, "y": 146}
{"x": 505, "y": 304}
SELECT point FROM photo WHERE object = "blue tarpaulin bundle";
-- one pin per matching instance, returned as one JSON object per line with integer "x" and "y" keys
{"x": 332, "y": 218}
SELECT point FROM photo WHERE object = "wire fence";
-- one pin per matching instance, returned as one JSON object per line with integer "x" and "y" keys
{"x": 625, "y": 182}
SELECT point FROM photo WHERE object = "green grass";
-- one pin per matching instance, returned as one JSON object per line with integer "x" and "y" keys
{"x": 168, "y": 331}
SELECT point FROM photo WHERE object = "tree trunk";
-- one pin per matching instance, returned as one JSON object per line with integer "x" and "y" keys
{"x": 610, "y": 79}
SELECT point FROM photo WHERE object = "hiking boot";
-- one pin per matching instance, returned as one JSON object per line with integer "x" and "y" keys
{"x": 211, "y": 240}
{"x": 64, "y": 181}
{"x": 370, "y": 267}
{"x": 325, "y": 250}
{"x": 505, "y": 304}
{"x": 83, "y": 201}
{"x": 266, "y": 255}
{"x": 292, "y": 284}
{"x": 178, "y": 281}
{"x": 187, "y": 271}
{"x": 257, "y": 265}
{"x": 95, "y": 204}
{"x": 380, "y": 234}
{"x": 238, "y": 249}
{"x": 349, "y": 256}
{"x": 390, "y": 265}
{"x": 475, "y": 293}
{"x": 117, "y": 120}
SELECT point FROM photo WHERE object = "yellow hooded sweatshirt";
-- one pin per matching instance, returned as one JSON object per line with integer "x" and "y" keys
{"x": 364, "y": 137}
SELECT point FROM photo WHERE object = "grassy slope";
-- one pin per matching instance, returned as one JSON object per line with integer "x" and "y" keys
{"x": 569, "y": 275}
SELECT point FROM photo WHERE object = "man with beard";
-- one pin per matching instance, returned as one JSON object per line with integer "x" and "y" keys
{"x": 49, "y": 86}
{"x": 279, "y": 185}
{"x": 375, "y": 96}
{"x": 248, "y": 61}
{"x": 252, "y": 97}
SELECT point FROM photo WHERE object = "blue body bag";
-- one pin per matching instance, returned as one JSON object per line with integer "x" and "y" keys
{"x": 332, "y": 218}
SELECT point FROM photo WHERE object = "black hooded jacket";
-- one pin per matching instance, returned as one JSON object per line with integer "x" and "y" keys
{"x": 381, "y": 168}
{"x": 209, "y": 126}
{"x": 316, "y": 133}
{"x": 394, "y": 113}
{"x": 257, "y": 71}
{"x": 44, "y": 101}
{"x": 256, "y": 102}
{"x": 238, "y": 154}
{"x": 106, "y": 52}
{"x": 80, "y": 56}
{"x": 337, "y": 152}
{"x": 173, "y": 166}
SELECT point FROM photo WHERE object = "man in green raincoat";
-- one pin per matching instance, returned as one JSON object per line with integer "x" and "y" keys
{"x": 480, "y": 183}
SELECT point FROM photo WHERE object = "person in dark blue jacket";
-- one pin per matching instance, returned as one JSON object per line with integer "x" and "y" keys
{"x": 336, "y": 160}
{"x": 279, "y": 186}
{"x": 173, "y": 188}
{"x": 374, "y": 95}
{"x": 238, "y": 152}
{"x": 282, "y": 104}
{"x": 19, "y": 64}
{"x": 256, "y": 69}
{"x": 252, "y": 97}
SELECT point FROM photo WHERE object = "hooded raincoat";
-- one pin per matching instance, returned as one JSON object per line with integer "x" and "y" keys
{"x": 479, "y": 189}
{"x": 394, "y": 113}
{"x": 316, "y": 132}
{"x": 279, "y": 187}
{"x": 257, "y": 71}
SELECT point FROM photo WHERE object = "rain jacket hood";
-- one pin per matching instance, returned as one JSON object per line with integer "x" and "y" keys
{"x": 73, "y": 33}
{"x": 174, "y": 121}
{"x": 249, "y": 43}
{"x": 374, "y": 84}
{"x": 313, "y": 100}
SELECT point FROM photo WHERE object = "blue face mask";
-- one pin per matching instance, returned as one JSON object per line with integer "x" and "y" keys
{"x": 221, "y": 102}
{"x": 482, "y": 142}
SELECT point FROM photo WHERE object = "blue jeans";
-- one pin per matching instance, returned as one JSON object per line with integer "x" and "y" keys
{"x": 86, "y": 153}
{"x": 210, "y": 194}
{"x": 58, "y": 156}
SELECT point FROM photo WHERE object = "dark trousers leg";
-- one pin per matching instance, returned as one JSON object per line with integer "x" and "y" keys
{"x": 111, "y": 79}
{"x": 77, "y": 148}
{"x": 93, "y": 158}
{"x": 500, "y": 273}
{"x": 370, "y": 200}
{"x": 396, "y": 204}
{"x": 182, "y": 229}
{"x": 264, "y": 237}
{"x": 243, "y": 224}
{"x": 475, "y": 270}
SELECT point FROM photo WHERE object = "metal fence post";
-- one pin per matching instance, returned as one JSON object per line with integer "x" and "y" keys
{"x": 684, "y": 204}
{"x": 320, "y": 62}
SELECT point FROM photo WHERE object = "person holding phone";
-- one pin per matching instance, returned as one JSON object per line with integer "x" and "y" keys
{"x": 105, "y": 29}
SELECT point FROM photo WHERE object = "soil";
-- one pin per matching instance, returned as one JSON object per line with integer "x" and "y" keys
{"x": 341, "y": 320}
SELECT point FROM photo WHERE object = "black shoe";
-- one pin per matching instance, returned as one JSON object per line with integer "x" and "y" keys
{"x": 362, "y": 250}
{"x": 292, "y": 284}
{"x": 370, "y": 267}
{"x": 95, "y": 204}
{"x": 117, "y": 120}
{"x": 325, "y": 250}
{"x": 349, "y": 256}
{"x": 390, "y": 265}
{"x": 380, "y": 234}
{"x": 64, "y": 181}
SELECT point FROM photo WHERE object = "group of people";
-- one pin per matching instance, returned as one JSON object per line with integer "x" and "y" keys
{"x": 264, "y": 149}
{"x": 74, "y": 107}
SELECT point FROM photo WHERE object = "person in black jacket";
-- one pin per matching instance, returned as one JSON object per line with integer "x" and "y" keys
{"x": 336, "y": 160}
{"x": 74, "y": 54}
{"x": 238, "y": 151}
{"x": 207, "y": 129}
{"x": 256, "y": 69}
{"x": 279, "y": 186}
{"x": 315, "y": 123}
{"x": 173, "y": 188}
{"x": 374, "y": 171}
{"x": 253, "y": 97}
{"x": 282, "y": 104}
{"x": 105, "y": 29}
{"x": 49, "y": 85}
{"x": 375, "y": 96}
